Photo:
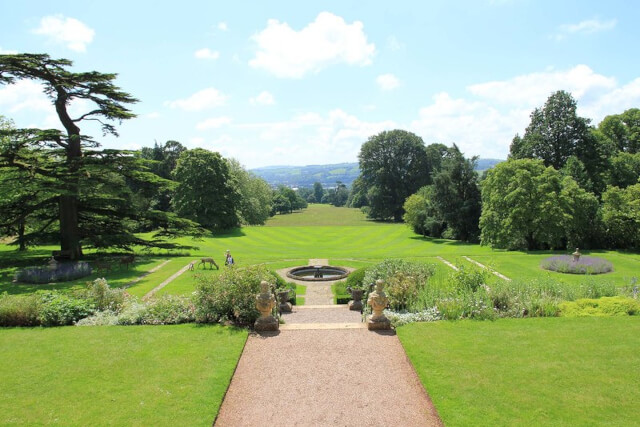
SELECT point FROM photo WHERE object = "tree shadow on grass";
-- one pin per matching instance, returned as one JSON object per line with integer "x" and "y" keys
{"x": 442, "y": 241}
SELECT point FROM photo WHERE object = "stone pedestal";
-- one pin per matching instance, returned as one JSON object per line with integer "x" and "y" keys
{"x": 265, "y": 303}
{"x": 285, "y": 305}
{"x": 356, "y": 303}
{"x": 378, "y": 301}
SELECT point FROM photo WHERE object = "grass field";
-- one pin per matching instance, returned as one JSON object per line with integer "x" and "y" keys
{"x": 290, "y": 240}
{"x": 558, "y": 371}
{"x": 129, "y": 375}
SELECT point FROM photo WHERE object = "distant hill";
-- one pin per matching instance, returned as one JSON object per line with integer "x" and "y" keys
{"x": 305, "y": 176}
{"x": 327, "y": 175}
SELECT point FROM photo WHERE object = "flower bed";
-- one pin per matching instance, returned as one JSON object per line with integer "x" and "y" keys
{"x": 585, "y": 265}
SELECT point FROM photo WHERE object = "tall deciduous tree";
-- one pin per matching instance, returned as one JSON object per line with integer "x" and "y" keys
{"x": 207, "y": 192}
{"x": 456, "y": 195}
{"x": 393, "y": 165}
{"x": 318, "y": 192}
{"x": 255, "y": 195}
{"x": 623, "y": 130}
{"x": 556, "y": 133}
{"x": 521, "y": 206}
{"x": 621, "y": 216}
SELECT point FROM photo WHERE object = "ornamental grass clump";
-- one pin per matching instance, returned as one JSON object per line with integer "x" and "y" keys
{"x": 584, "y": 265}
{"x": 19, "y": 310}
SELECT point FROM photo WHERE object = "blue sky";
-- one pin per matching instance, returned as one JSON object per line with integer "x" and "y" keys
{"x": 297, "y": 83}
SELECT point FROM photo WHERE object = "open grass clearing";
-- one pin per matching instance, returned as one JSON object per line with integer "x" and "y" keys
{"x": 116, "y": 375}
{"x": 557, "y": 371}
{"x": 322, "y": 215}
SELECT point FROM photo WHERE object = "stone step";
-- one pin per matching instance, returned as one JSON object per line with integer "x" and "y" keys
{"x": 323, "y": 326}
{"x": 311, "y": 307}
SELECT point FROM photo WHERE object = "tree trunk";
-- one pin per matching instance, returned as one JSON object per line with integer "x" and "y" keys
{"x": 69, "y": 232}
{"x": 21, "y": 242}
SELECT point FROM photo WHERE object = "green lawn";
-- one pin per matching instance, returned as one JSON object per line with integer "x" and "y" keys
{"x": 290, "y": 240}
{"x": 129, "y": 375}
{"x": 321, "y": 215}
{"x": 543, "y": 371}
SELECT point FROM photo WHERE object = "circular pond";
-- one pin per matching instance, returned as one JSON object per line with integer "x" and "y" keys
{"x": 317, "y": 273}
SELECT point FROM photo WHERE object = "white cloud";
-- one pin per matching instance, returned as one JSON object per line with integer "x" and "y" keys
{"x": 307, "y": 138}
{"x": 207, "y": 53}
{"x": 7, "y": 51}
{"x": 328, "y": 40}
{"x": 475, "y": 126}
{"x": 264, "y": 98}
{"x": 68, "y": 31}
{"x": 588, "y": 26}
{"x": 212, "y": 123}
{"x": 533, "y": 89}
{"x": 24, "y": 95}
{"x": 222, "y": 26}
{"x": 387, "y": 81}
{"x": 202, "y": 100}
{"x": 485, "y": 122}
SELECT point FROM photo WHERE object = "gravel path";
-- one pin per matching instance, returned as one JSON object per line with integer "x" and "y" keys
{"x": 336, "y": 314}
{"x": 324, "y": 368}
{"x": 325, "y": 377}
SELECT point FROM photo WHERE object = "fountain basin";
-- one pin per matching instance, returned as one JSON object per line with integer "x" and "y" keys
{"x": 317, "y": 273}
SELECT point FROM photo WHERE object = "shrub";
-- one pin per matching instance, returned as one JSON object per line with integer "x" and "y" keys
{"x": 100, "y": 318}
{"x": 103, "y": 297}
{"x": 230, "y": 295}
{"x": 399, "y": 318}
{"x": 58, "y": 309}
{"x": 402, "y": 290}
{"x": 468, "y": 279}
{"x": 168, "y": 310}
{"x": 411, "y": 279}
{"x": 64, "y": 272}
{"x": 606, "y": 306}
{"x": 133, "y": 312}
{"x": 389, "y": 267}
{"x": 19, "y": 310}
{"x": 585, "y": 265}
{"x": 355, "y": 280}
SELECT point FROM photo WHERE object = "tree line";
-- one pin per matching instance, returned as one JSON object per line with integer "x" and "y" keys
{"x": 565, "y": 184}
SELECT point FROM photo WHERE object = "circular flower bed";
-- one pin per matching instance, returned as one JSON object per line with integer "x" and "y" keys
{"x": 585, "y": 265}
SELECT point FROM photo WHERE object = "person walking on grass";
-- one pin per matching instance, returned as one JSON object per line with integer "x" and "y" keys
{"x": 228, "y": 258}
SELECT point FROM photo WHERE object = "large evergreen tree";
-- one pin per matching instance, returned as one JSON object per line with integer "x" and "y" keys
{"x": 88, "y": 185}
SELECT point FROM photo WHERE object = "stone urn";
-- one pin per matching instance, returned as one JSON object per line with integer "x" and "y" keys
{"x": 285, "y": 305}
{"x": 356, "y": 303}
{"x": 265, "y": 303}
{"x": 378, "y": 301}
{"x": 576, "y": 255}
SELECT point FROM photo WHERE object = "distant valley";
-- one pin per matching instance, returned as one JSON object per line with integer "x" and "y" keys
{"x": 327, "y": 175}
